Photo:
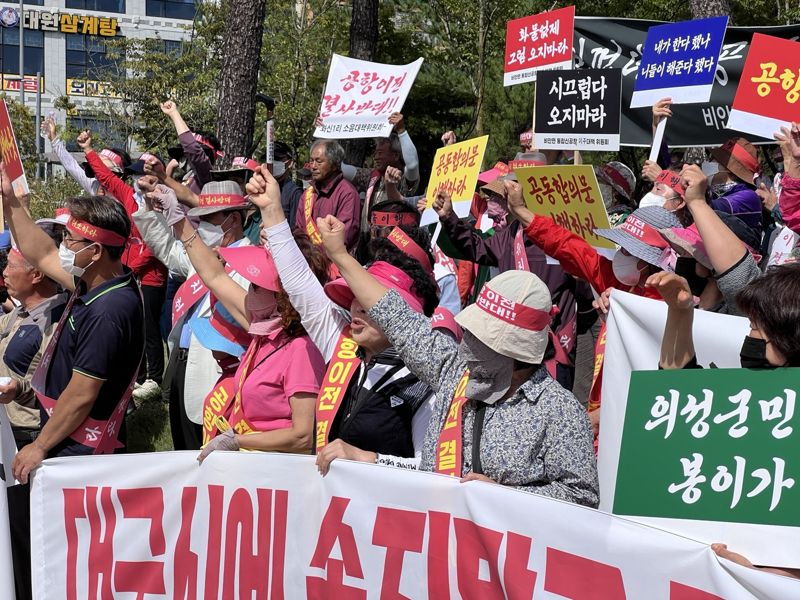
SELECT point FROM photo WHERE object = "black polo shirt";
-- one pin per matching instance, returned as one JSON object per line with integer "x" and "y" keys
{"x": 103, "y": 339}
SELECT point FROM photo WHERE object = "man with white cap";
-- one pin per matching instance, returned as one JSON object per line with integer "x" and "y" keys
{"x": 499, "y": 416}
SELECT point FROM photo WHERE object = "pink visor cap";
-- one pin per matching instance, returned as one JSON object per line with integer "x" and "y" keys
{"x": 388, "y": 275}
{"x": 253, "y": 263}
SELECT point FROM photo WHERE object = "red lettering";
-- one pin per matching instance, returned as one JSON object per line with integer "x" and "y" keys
{"x": 579, "y": 578}
{"x": 253, "y": 566}
{"x": 279, "y": 543}
{"x": 332, "y": 529}
{"x": 518, "y": 580}
{"x": 216, "y": 496}
{"x": 473, "y": 544}
{"x": 184, "y": 577}
{"x": 679, "y": 591}
{"x": 143, "y": 577}
{"x": 101, "y": 548}
{"x": 398, "y": 531}
{"x": 73, "y": 510}
{"x": 438, "y": 561}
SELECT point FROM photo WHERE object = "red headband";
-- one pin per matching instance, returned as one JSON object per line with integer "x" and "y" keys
{"x": 94, "y": 233}
{"x": 400, "y": 239}
{"x": 671, "y": 180}
{"x": 743, "y": 156}
{"x": 244, "y": 163}
{"x": 204, "y": 141}
{"x": 643, "y": 232}
{"x": 113, "y": 157}
{"x": 393, "y": 219}
{"x": 226, "y": 200}
{"x": 617, "y": 177}
{"x": 146, "y": 155}
{"x": 519, "y": 315}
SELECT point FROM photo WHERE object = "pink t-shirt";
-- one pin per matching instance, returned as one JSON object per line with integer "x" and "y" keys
{"x": 294, "y": 368}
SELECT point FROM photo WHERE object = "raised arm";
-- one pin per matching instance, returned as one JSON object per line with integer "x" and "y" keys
{"x": 115, "y": 186}
{"x": 183, "y": 194}
{"x": 34, "y": 244}
{"x": 210, "y": 269}
{"x": 465, "y": 239}
{"x": 66, "y": 159}
{"x": 425, "y": 352}
{"x": 157, "y": 234}
{"x": 408, "y": 150}
{"x": 677, "y": 344}
{"x": 724, "y": 249}
{"x": 191, "y": 147}
{"x": 576, "y": 256}
{"x": 789, "y": 139}
{"x": 321, "y": 319}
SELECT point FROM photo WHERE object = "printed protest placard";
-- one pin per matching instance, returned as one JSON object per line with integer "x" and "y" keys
{"x": 679, "y": 61}
{"x": 578, "y": 110}
{"x": 360, "y": 96}
{"x": 569, "y": 195}
{"x": 711, "y": 445}
{"x": 769, "y": 89}
{"x": 542, "y": 41}
{"x": 456, "y": 168}
{"x": 9, "y": 150}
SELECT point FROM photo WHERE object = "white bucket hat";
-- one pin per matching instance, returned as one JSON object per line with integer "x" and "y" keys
{"x": 512, "y": 316}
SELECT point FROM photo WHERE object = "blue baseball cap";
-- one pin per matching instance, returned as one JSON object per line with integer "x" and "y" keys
{"x": 220, "y": 332}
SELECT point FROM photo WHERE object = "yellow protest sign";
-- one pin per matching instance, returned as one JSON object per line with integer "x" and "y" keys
{"x": 456, "y": 168}
{"x": 569, "y": 195}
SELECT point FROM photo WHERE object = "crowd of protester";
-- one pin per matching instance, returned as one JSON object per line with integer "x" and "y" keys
{"x": 306, "y": 310}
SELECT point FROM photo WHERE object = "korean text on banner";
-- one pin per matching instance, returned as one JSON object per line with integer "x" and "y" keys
{"x": 9, "y": 150}
{"x": 8, "y": 450}
{"x": 712, "y": 445}
{"x": 769, "y": 88}
{"x": 570, "y": 196}
{"x": 679, "y": 61}
{"x": 360, "y": 96}
{"x": 578, "y": 110}
{"x": 635, "y": 327}
{"x": 268, "y": 525}
{"x": 542, "y": 41}
{"x": 456, "y": 168}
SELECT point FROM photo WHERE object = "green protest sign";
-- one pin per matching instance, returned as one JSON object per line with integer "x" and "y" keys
{"x": 711, "y": 444}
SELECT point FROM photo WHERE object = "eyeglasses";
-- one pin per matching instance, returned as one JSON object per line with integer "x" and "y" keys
{"x": 68, "y": 240}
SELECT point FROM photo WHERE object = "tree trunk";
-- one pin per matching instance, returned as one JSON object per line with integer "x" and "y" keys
{"x": 244, "y": 29}
{"x": 363, "y": 42}
{"x": 709, "y": 8}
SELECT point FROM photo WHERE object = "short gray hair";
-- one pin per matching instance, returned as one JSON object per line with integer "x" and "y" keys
{"x": 393, "y": 141}
{"x": 333, "y": 151}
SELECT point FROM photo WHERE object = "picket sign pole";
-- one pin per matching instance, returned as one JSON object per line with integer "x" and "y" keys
{"x": 658, "y": 137}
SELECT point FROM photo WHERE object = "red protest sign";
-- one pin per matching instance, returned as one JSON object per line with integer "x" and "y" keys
{"x": 9, "y": 151}
{"x": 769, "y": 88}
{"x": 542, "y": 41}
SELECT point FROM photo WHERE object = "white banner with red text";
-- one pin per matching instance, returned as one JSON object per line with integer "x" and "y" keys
{"x": 8, "y": 450}
{"x": 253, "y": 525}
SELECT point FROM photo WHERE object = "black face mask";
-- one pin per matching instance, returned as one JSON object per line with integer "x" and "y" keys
{"x": 753, "y": 354}
{"x": 685, "y": 267}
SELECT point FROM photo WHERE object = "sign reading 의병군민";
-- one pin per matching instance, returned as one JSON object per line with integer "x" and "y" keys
{"x": 537, "y": 42}
{"x": 679, "y": 61}
{"x": 455, "y": 170}
{"x": 570, "y": 196}
{"x": 578, "y": 110}
{"x": 360, "y": 96}
{"x": 9, "y": 151}
{"x": 769, "y": 89}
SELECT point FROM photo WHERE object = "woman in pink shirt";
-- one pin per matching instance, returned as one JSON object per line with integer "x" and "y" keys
{"x": 268, "y": 404}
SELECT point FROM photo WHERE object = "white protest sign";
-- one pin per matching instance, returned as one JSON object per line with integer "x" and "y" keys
{"x": 360, "y": 96}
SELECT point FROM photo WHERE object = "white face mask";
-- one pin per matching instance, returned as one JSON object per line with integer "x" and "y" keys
{"x": 67, "y": 259}
{"x": 212, "y": 234}
{"x": 278, "y": 168}
{"x": 652, "y": 199}
{"x": 626, "y": 268}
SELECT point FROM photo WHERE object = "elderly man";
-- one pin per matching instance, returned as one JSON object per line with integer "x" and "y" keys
{"x": 329, "y": 194}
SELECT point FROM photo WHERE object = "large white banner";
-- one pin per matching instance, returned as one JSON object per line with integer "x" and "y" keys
{"x": 8, "y": 450}
{"x": 245, "y": 525}
{"x": 635, "y": 327}
{"x": 360, "y": 96}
